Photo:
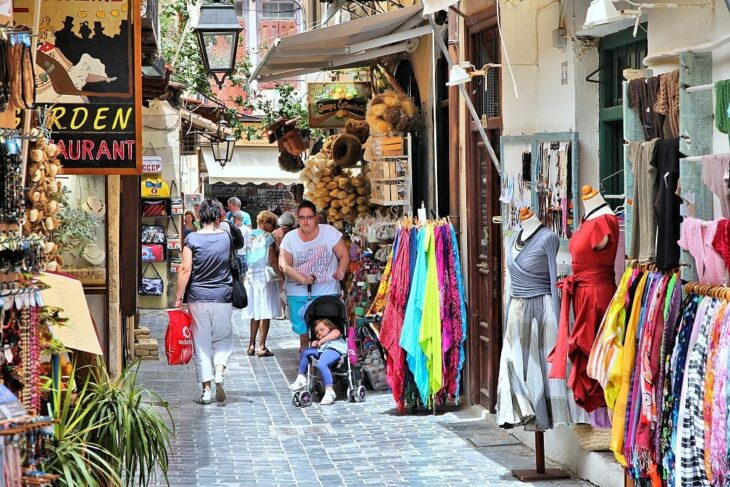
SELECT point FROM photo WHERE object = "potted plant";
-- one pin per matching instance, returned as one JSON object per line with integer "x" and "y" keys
{"x": 131, "y": 430}
{"x": 73, "y": 457}
{"x": 76, "y": 230}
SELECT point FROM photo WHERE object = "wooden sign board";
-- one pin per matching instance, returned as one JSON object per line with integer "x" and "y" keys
{"x": 88, "y": 72}
{"x": 331, "y": 105}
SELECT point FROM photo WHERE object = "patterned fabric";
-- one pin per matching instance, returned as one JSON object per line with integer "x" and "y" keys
{"x": 691, "y": 435}
{"x": 673, "y": 378}
{"x": 718, "y": 447}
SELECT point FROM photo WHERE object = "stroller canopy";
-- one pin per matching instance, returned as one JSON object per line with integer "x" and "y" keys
{"x": 329, "y": 307}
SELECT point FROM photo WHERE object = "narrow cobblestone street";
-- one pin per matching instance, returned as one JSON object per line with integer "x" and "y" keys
{"x": 257, "y": 437}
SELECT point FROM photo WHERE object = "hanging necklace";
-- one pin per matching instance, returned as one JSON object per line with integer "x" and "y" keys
{"x": 594, "y": 210}
{"x": 520, "y": 244}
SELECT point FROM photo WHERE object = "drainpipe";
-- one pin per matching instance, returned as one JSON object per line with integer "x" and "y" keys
{"x": 454, "y": 177}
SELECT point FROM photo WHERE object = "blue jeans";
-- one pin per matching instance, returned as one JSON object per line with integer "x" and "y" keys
{"x": 324, "y": 361}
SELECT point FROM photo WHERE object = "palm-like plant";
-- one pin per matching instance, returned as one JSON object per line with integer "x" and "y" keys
{"x": 72, "y": 456}
{"x": 136, "y": 436}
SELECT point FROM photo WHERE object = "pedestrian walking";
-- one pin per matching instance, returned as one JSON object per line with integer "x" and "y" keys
{"x": 246, "y": 234}
{"x": 328, "y": 349}
{"x": 206, "y": 285}
{"x": 313, "y": 255}
{"x": 286, "y": 222}
{"x": 190, "y": 225}
{"x": 262, "y": 283}
{"x": 234, "y": 204}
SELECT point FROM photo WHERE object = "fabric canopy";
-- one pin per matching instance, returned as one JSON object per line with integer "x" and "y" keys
{"x": 250, "y": 164}
{"x": 357, "y": 43}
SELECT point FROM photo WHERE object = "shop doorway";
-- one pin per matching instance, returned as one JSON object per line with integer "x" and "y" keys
{"x": 484, "y": 237}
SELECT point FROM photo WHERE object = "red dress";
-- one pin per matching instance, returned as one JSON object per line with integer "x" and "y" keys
{"x": 590, "y": 288}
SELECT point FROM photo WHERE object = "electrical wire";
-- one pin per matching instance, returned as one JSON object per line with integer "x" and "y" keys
{"x": 504, "y": 49}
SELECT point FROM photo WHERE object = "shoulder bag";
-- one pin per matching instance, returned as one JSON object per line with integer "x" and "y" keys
{"x": 152, "y": 234}
{"x": 154, "y": 188}
{"x": 173, "y": 237}
{"x": 151, "y": 286}
{"x": 176, "y": 202}
{"x": 240, "y": 299}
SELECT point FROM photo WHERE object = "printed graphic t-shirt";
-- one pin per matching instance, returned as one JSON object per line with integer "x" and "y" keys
{"x": 314, "y": 258}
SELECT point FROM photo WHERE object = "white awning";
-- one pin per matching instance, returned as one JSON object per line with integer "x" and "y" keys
{"x": 357, "y": 43}
{"x": 250, "y": 164}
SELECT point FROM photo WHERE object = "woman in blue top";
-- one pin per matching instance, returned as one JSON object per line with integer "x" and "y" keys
{"x": 262, "y": 287}
{"x": 328, "y": 349}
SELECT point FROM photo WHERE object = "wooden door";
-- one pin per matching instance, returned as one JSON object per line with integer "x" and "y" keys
{"x": 484, "y": 237}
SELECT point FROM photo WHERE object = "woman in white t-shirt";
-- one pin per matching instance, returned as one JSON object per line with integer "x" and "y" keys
{"x": 315, "y": 255}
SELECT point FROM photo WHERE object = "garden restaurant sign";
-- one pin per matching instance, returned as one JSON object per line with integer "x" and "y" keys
{"x": 332, "y": 104}
{"x": 86, "y": 76}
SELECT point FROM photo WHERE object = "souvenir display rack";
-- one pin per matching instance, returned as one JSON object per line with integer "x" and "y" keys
{"x": 390, "y": 171}
{"x": 553, "y": 193}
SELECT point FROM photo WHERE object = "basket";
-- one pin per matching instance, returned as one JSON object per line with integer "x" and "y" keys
{"x": 592, "y": 439}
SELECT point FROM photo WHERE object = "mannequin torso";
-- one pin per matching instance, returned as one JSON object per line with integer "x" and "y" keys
{"x": 529, "y": 227}
{"x": 595, "y": 207}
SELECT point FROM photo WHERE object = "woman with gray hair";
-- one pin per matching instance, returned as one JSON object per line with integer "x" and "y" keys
{"x": 205, "y": 283}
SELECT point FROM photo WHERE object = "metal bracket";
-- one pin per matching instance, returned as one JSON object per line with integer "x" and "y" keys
{"x": 588, "y": 78}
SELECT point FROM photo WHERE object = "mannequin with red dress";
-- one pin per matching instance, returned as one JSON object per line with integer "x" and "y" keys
{"x": 589, "y": 289}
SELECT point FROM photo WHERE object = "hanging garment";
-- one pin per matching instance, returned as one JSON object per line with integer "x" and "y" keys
{"x": 429, "y": 335}
{"x": 605, "y": 359}
{"x": 722, "y": 106}
{"x": 627, "y": 367}
{"x": 409, "y": 338}
{"x": 721, "y": 241}
{"x": 691, "y": 444}
{"x": 667, "y": 102}
{"x": 392, "y": 323}
{"x": 666, "y": 161}
{"x": 462, "y": 304}
{"x": 450, "y": 315}
{"x": 696, "y": 238}
{"x": 643, "y": 230}
{"x": 525, "y": 394}
{"x": 590, "y": 289}
{"x": 714, "y": 170}
{"x": 643, "y": 94}
{"x": 719, "y": 416}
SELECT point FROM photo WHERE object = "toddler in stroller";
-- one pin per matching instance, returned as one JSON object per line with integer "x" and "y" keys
{"x": 326, "y": 320}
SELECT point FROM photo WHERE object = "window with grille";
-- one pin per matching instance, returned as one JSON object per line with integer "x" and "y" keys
{"x": 188, "y": 139}
{"x": 486, "y": 47}
{"x": 278, "y": 10}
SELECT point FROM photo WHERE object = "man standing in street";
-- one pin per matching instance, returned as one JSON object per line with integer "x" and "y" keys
{"x": 234, "y": 205}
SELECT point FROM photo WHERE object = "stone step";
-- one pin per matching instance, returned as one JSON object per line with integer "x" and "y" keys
{"x": 146, "y": 344}
{"x": 142, "y": 332}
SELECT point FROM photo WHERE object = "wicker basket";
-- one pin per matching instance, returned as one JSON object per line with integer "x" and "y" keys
{"x": 592, "y": 439}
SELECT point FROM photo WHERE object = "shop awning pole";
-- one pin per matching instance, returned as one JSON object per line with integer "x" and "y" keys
{"x": 465, "y": 96}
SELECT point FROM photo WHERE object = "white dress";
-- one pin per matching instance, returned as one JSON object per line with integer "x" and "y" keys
{"x": 263, "y": 297}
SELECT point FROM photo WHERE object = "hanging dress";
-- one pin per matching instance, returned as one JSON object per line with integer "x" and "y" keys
{"x": 525, "y": 394}
{"x": 590, "y": 288}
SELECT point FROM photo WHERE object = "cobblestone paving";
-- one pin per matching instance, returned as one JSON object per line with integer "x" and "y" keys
{"x": 257, "y": 437}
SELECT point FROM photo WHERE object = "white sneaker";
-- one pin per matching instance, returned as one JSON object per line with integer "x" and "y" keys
{"x": 329, "y": 397}
{"x": 299, "y": 383}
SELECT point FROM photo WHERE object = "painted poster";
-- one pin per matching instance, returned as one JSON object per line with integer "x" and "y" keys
{"x": 332, "y": 104}
{"x": 87, "y": 69}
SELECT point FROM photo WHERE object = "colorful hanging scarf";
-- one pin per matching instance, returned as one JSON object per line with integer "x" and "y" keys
{"x": 718, "y": 447}
{"x": 461, "y": 304}
{"x": 392, "y": 323}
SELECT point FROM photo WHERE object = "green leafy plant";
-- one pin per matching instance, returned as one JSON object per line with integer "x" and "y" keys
{"x": 75, "y": 459}
{"x": 132, "y": 431}
{"x": 76, "y": 231}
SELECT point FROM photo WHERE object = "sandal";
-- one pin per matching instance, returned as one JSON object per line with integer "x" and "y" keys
{"x": 204, "y": 397}
{"x": 264, "y": 352}
{"x": 251, "y": 350}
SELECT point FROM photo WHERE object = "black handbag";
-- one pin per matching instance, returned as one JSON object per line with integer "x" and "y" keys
{"x": 240, "y": 298}
{"x": 151, "y": 286}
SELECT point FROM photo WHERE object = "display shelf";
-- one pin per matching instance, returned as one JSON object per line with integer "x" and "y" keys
{"x": 390, "y": 203}
{"x": 387, "y": 180}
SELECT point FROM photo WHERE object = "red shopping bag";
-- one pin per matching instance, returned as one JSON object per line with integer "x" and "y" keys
{"x": 179, "y": 337}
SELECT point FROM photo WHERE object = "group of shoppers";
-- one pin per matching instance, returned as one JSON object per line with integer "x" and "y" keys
{"x": 307, "y": 261}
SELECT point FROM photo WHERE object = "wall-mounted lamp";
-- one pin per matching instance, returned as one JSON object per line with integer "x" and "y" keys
{"x": 459, "y": 74}
{"x": 601, "y": 12}
{"x": 222, "y": 144}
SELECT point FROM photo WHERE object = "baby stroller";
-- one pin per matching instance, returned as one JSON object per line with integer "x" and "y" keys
{"x": 331, "y": 308}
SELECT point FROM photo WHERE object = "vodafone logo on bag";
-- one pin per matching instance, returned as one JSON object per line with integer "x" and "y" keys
{"x": 186, "y": 332}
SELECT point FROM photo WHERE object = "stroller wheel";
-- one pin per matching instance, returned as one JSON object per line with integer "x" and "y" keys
{"x": 295, "y": 400}
{"x": 305, "y": 398}
{"x": 360, "y": 394}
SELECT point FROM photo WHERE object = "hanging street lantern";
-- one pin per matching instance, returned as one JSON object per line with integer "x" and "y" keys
{"x": 222, "y": 144}
{"x": 217, "y": 33}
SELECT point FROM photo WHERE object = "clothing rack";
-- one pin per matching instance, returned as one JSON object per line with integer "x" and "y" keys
{"x": 720, "y": 292}
{"x": 692, "y": 89}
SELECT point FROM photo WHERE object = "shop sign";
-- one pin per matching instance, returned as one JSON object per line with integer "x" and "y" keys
{"x": 87, "y": 75}
{"x": 152, "y": 164}
{"x": 332, "y": 104}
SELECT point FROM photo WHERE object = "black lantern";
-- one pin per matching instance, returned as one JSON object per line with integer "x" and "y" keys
{"x": 217, "y": 32}
{"x": 222, "y": 144}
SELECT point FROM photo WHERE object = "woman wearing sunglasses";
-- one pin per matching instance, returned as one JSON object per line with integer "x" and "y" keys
{"x": 315, "y": 255}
